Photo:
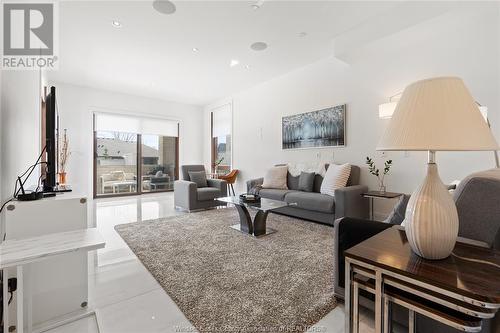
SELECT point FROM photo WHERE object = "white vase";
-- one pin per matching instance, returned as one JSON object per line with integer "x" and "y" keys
{"x": 431, "y": 220}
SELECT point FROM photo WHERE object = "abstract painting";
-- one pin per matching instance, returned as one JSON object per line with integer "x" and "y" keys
{"x": 322, "y": 128}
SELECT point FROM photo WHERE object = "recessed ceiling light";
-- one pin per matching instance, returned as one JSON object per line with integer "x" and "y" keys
{"x": 234, "y": 62}
{"x": 164, "y": 6}
{"x": 195, "y": 49}
{"x": 116, "y": 24}
{"x": 258, "y": 46}
{"x": 302, "y": 34}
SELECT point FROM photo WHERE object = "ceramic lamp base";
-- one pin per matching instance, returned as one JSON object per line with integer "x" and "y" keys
{"x": 431, "y": 220}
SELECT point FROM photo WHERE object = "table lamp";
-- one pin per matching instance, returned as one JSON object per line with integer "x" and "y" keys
{"x": 437, "y": 114}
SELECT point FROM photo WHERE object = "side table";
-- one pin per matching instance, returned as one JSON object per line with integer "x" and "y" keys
{"x": 459, "y": 291}
{"x": 379, "y": 195}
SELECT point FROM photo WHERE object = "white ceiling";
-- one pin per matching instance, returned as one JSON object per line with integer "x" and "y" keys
{"x": 151, "y": 54}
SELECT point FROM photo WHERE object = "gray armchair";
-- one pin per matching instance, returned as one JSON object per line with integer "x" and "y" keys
{"x": 188, "y": 196}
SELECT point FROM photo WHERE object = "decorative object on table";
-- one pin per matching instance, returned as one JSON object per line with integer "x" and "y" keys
{"x": 376, "y": 172}
{"x": 323, "y": 128}
{"x": 64, "y": 153}
{"x": 336, "y": 177}
{"x": 433, "y": 115}
{"x": 248, "y": 197}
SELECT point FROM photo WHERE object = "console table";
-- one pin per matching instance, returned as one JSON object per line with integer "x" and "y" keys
{"x": 459, "y": 291}
{"x": 17, "y": 253}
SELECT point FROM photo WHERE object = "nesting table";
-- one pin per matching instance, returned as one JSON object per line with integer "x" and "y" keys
{"x": 459, "y": 291}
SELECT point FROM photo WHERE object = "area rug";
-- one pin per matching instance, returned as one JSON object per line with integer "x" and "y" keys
{"x": 226, "y": 281}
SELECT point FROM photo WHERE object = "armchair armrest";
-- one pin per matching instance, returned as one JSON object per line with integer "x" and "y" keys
{"x": 185, "y": 195}
{"x": 253, "y": 185}
{"x": 349, "y": 202}
{"x": 220, "y": 184}
{"x": 349, "y": 232}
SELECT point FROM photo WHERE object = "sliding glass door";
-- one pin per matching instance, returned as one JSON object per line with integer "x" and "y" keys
{"x": 128, "y": 160}
{"x": 159, "y": 162}
{"x": 116, "y": 162}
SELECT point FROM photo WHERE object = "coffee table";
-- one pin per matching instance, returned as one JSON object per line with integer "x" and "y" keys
{"x": 257, "y": 227}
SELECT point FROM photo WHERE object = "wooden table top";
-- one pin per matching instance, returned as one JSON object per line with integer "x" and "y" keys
{"x": 378, "y": 194}
{"x": 459, "y": 273}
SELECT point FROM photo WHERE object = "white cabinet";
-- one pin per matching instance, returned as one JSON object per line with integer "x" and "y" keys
{"x": 57, "y": 286}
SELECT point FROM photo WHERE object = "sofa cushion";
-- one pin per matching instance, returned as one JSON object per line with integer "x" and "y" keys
{"x": 270, "y": 193}
{"x": 292, "y": 182}
{"x": 198, "y": 177}
{"x": 208, "y": 193}
{"x": 312, "y": 201}
{"x": 336, "y": 177}
{"x": 306, "y": 181}
{"x": 276, "y": 178}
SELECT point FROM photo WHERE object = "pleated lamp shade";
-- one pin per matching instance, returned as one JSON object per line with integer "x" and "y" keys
{"x": 437, "y": 114}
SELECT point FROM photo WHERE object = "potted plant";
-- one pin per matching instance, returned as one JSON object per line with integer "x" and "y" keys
{"x": 64, "y": 154}
{"x": 217, "y": 163}
{"x": 376, "y": 172}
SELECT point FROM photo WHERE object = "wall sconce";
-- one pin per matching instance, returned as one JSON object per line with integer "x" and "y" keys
{"x": 484, "y": 112}
{"x": 386, "y": 110}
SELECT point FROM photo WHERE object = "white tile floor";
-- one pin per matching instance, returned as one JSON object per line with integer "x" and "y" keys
{"x": 123, "y": 293}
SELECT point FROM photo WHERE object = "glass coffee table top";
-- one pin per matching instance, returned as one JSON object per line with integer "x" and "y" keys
{"x": 263, "y": 205}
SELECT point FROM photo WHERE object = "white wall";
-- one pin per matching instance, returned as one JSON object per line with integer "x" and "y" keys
{"x": 464, "y": 43}
{"x": 20, "y": 121}
{"x": 76, "y": 105}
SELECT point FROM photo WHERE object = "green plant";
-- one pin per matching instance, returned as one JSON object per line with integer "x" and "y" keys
{"x": 376, "y": 172}
{"x": 219, "y": 161}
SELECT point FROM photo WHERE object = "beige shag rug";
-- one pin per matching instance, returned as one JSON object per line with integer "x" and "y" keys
{"x": 226, "y": 281}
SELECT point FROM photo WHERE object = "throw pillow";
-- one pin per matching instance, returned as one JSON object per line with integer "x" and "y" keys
{"x": 276, "y": 178}
{"x": 198, "y": 177}
{"x": 335, "y": 177}
{"x": 306, "y": 181}
{"x": 398, "y": 213}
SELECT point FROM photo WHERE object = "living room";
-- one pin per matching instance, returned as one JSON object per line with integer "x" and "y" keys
{"x": 167, "y": 111}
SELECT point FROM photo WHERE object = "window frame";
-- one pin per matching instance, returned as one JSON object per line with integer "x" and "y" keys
{"x": 138, "y": 190}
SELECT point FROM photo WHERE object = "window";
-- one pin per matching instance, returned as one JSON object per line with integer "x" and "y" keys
{"x": 116, "y": 162}
{"x": 159, "y": 161}
{"x": 221, "y": 120}
{"x": 134, "y": 155}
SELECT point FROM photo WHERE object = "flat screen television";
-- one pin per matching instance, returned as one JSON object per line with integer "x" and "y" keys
{"x": 49, "y": 136}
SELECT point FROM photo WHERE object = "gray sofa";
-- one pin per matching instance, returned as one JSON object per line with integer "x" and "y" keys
{"x": 477, "y": 200}
{"x": 188, "y": 196}
{"x": 315, "y": 206}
